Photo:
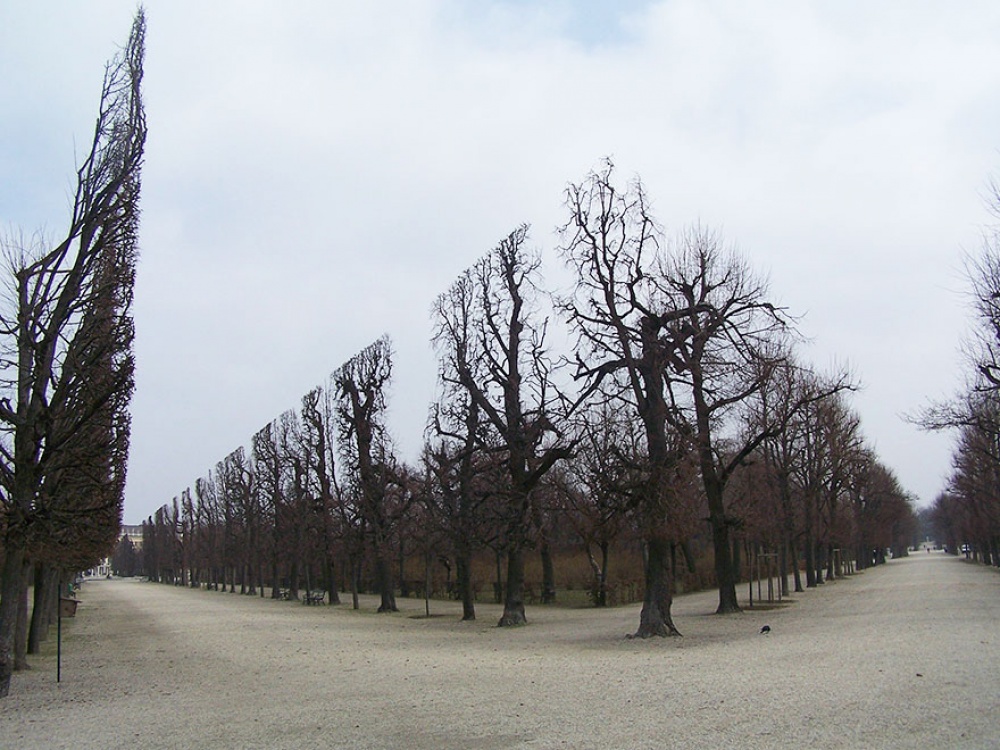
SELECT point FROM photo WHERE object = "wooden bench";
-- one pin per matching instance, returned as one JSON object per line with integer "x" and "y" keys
{"x": 314, "y": 597}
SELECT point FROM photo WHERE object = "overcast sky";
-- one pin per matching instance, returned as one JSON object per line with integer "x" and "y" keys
{"x": 317, "y": 172}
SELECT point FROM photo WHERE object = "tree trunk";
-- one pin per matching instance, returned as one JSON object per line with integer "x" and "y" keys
{"x": 355, "y": 582}
{"x": 655, "y": 620}
{"x": 794, "y": 561}
{"x": 404, "y": 587}
{"x": 383, "y": 574}
{"x": 548, "y": 575}
{"x": 11, "y": 582}
{"x": 599, "y": 590}
{"x": 464, "y": 574}
{"x": 737, "y": 576}
{"x": 810, "y": 561}
{"x": 498, "y": 584}
{"x": 513, "y": 605}
{"x": 783, "y": 566}
{"x": 330, "y": 576}
{"x": 21, "y": 629}
{"x": 724, "y": 573}
{"x": 41, "y": 613}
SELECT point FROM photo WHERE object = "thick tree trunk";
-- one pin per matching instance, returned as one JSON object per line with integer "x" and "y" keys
{"x": 11, "y": 582}
{"x": 464, "y": 574}
{"x": 513, "y": 604}
{"x": 330, "y": 576}
{"x": 46, "y": 597}
{"x": 21, "y": 629}
{"x": 655, "y": 619}
{"x": 383, "y": 574}
{"x": 724, "y": 573}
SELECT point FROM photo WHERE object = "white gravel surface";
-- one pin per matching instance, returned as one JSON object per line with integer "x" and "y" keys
{"x": 903, "y": 656}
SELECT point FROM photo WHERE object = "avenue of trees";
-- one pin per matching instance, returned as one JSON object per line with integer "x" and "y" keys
{"x": 66, "y": 372}
{"x": 681, "y": 436}
{"x": 966, "y": 516}
{"x": 673, "y": 430}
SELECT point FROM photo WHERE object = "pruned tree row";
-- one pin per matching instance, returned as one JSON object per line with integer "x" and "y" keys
{"x": 680, "y": 433}
{"x": 66, "y": 372}
{"x": 966, "y": 516}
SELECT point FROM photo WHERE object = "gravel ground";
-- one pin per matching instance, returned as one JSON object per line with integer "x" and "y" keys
{"x": 906, "y": 655}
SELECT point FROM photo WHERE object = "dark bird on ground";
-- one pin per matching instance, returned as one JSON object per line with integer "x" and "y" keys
{"x": 766, "y": 629}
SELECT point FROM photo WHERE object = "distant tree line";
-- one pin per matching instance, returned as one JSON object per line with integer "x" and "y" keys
{"x": 965, "y": 518}
{"x": 680, "y": 426}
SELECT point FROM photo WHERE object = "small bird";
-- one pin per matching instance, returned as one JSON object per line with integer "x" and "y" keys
{"x": 766, "y": 629}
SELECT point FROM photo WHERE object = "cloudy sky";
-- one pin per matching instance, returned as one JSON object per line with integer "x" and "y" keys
{"x": 317, "y": 172}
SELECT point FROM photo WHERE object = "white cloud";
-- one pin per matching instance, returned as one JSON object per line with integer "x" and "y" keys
{"x": 317, "y": 173}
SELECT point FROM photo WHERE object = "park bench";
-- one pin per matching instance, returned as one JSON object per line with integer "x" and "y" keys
{"x": 314, "y": 597}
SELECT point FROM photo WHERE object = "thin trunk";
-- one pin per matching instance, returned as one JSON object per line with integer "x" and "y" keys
{"x": 498, "y": 583}
{"x": 819, "y": 562}
{"x": 548, "y": 575}
{"x": 355, "y": 580}
{"x": 783, "y": 566}
{"x": 796, "y": 572}
{"x": 599, "y": 589}
{"x": 427, "y": 584}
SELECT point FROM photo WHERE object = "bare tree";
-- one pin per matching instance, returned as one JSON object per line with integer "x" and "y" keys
{"x": 597, "y": 485}
{"x": 80, "y": 289}
{"x": 724, "y": 350}
{"x": 488, "y": 314}
{"x": 361, "y": 385}
{"x": 610, "y": 241}
{"x": 318, "y": 439}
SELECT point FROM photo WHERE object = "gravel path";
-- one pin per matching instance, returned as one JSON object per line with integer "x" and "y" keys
{"x": 906, "y": 655}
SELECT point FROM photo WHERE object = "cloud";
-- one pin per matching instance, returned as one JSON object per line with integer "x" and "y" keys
{"x": 317, "y": 173}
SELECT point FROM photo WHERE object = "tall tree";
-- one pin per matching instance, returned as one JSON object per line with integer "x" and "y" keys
{"x": 611, "y": 242}
{"x": 724, "y": 350}
{"x": 318, "y": 444}
{"x": 361, "y": 384}
{"x": 489, "y": 313}
{"x": 80, "y": 289}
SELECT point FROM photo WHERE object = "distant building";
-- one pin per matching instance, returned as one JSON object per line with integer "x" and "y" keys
{"x": 103, "y": 569}
{"x": 134, "y": 533}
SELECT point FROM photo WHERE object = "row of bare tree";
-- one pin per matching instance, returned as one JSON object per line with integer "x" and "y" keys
{"x": 680, "y": 414}
{"x": 966, "y": 517}
{"x": 66, "y": 373}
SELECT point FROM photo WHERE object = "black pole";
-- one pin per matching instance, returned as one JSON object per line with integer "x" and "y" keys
{"x": 59, "y": 642}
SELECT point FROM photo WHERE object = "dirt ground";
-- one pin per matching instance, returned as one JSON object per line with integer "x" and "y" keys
{"x": 903, "y": 656}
